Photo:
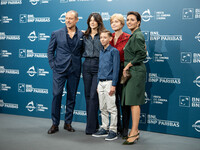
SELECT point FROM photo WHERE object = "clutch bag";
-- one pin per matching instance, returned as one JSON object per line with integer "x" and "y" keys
{"x": 125, "y": 79}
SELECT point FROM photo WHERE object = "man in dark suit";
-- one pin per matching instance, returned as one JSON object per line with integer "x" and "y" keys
{"x": 64, "y": 55}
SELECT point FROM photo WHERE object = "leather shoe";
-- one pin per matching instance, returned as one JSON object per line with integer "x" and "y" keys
{"x": 69, "y": 128}
{"x": 53, "y": 129}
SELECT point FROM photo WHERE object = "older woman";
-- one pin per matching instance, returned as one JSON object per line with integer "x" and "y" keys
{"x": 119, "y": 40}
{"x": 134, "y": 90}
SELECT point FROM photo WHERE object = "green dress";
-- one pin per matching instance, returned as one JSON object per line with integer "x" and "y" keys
{"x": 134, "y": 51}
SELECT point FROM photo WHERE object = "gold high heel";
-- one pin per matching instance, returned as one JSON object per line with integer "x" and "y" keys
{"x": 130, "y": 143}
{"x": 125, "y": 138}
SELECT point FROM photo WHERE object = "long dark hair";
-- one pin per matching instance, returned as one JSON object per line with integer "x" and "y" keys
{"x": 98, "y": 19}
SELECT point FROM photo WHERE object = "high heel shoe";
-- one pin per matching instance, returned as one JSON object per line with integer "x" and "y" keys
{"x": 125, "y": 138}
{"x": 130, "y": 143}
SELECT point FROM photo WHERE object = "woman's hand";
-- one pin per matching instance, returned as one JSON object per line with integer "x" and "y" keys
{"x": 124, "y": 73}
{"x": 126, "y": 68}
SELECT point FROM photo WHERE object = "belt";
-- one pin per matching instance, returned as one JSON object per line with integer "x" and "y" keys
{"x": 102, "y": 80}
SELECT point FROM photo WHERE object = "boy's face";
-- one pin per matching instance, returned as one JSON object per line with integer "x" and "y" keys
{"x": 105, "y": 39}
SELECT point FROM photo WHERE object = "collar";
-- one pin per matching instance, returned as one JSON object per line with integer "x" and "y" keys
{"x": 137, "y": 30}
{"x": 67, "y": 30}
{"x": 107, "y": 49}
{"x": 96, "y": 35}
{"x": 122, "y": 37}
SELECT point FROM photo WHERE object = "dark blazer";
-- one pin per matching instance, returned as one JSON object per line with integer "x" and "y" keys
{"x": 60, "y": 55}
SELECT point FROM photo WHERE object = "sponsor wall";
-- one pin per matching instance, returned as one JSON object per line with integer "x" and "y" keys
{"x": 173, "y": 43}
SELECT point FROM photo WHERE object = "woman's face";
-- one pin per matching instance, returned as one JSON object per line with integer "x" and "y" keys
{"x": 93, "y": 23}
{"x": 116, "y": 24}
{"x": 132, "y": 22}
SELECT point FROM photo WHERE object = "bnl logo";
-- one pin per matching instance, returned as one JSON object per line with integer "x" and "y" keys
{"x": 23, "y": 18}
{"x": 146, "y": 35}
{"x": 184, "y": 101}
{"x": 186, "y": 57}
{"x": 143, "y": 118}
{"x": 22, "y": 53}
{"x": 63, "y": 1}
{"x": 21, "y": 87}
{"x": 188, "y": 13}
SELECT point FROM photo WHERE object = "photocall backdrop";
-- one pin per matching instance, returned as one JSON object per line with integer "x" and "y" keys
{"x": 172, "y": 34}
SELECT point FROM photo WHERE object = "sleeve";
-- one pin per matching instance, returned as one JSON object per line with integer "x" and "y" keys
{"x": 83, "y": 46}
{"x": 116, "y": 65}
{"x": 51, "y": 50}
{"x": 139, "y": 50}
{"x": 99, "y": 69}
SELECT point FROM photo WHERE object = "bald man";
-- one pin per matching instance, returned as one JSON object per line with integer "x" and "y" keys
{"x": 64, "y": 55}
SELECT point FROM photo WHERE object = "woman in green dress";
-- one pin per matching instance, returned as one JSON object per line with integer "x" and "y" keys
{"x": 134, "y": 89}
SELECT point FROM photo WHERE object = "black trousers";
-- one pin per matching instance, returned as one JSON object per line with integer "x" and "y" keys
{"x": 59, "y": 81}
{"x": 124, "y": 109}
{"x": 90, "y": 72}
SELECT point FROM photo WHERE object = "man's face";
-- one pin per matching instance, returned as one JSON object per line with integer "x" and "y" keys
{"x": 70, "y": 20}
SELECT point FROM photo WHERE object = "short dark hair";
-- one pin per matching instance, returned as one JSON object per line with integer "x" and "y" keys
{"x": 136, "y": 14}
{"x": 106, "y": 31}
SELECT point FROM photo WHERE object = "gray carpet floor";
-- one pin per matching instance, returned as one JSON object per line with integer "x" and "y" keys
{"x": 29, "y": 133}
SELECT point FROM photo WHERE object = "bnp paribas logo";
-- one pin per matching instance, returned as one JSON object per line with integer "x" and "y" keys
{"x": 188, "y": 13}
{"x": 105, "y": 16}
{"x": 63, "y": 1}
{"x": 146, "y": 15}
{"x": 143, "y": 118}
{"x": 184, "y": 101}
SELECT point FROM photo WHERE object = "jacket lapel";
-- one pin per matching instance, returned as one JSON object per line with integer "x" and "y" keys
{"x": 78, "y": 38}
{"x": 65, "y": 37}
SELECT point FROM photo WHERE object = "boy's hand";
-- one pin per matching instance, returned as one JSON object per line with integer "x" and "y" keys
{"x": 112, "y": 90}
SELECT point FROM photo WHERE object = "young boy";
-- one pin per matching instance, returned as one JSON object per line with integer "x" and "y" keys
{"x": 109, "y": 62}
